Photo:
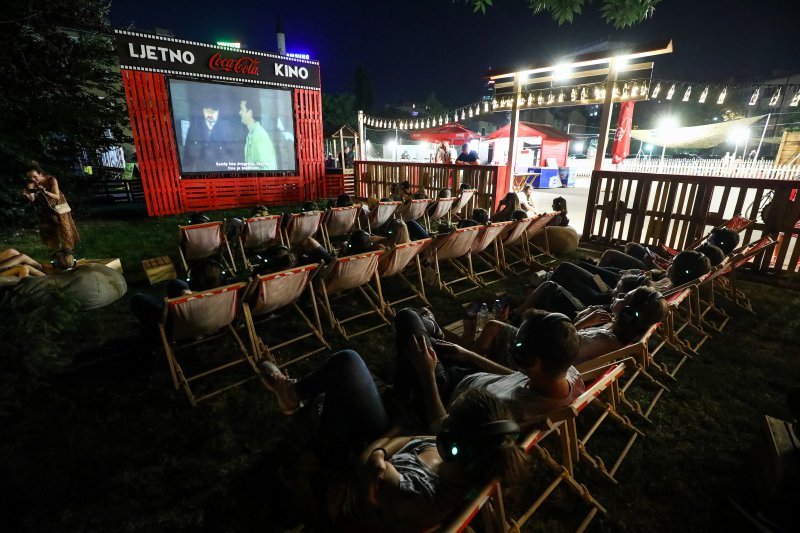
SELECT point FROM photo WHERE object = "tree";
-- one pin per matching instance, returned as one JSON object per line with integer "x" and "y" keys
{"x": 339, "y": 109}
{"x": 363, "y": 90}
{"x": 433, "y": 106}
{"x": 620, "y": 13}
{"x": 60, "y": 89}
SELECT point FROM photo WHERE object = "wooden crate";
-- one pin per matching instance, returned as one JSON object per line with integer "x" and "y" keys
{"x": 159, "y": 269}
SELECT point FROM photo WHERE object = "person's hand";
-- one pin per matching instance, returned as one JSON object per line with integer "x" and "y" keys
{"x": 596, "y": 318}
{"x": 375, "y": 469}
{"x": 451, "y": 351}
{"x": 423, "y": 357}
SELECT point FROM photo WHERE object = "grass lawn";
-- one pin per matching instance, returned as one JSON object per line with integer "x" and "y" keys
{"x": 109, "y": 445}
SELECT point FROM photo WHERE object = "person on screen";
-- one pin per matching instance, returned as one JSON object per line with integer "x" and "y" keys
{"x": 208, "y": 141}
{"x": 259, "y": 153}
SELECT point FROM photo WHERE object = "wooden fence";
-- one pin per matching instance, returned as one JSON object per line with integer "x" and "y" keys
{"x": 675, "y": 210}
{"x": 374, "y": 178}
{"x": 692, "y": 167}
{"x": 117, "y": 190}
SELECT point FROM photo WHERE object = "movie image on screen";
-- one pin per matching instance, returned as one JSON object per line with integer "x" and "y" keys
{"x": 226, "y": 128}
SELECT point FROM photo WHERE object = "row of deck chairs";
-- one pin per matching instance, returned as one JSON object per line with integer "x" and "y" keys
{"x": 611, "y": 380}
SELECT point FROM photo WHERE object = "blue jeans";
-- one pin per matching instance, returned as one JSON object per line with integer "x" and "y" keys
{"x": 353, "y": 414}
{"x": 148, "y": 308}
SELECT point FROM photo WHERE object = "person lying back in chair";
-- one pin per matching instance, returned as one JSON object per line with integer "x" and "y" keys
{"x": 396, "y": 484}
{"x": 720, "y": 242}
{"x": 543, "y": 349}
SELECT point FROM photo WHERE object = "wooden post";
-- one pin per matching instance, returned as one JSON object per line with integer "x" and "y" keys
{"x": 605, "y": 116}
{"x": 512, "y": 132}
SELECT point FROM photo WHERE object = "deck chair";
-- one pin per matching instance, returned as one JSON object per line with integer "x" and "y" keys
{"x": 486, "y": 249}
{"x": 203, "y": 241}
{"x": 382, "y": 214}
{"x": 488, "y": 502}
{"x": 449, "y": 247}
{"x": 258, "y": 234}
{"x": 273, "y": 292}
{"x": 413, "y": 209}
{"x": 301, "y": 226}
{"x": 352, "y": 273}
{"x": 542, "y": 257}
{"x": 202, "y": 316}
{"x": 394, "y": 262}
{"x": 737, "y": 224}
{"x": 682, "y": 317}
{"x": 338, "y": 222}
{"x": 438, "y": 209}
{"x": 462, "y": 200}
{"x": 747, "y": 254}
{"x": 514, "y": 245}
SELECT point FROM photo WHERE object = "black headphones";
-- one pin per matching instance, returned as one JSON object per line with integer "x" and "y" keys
{"x": 469, "y": 446}
{"x": 521, "y": 348}
{"x": 630, "y": 313}
{"x": 223, "y": 270}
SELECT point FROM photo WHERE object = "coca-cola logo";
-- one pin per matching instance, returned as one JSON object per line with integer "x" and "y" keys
{"x": 243, "y": 65}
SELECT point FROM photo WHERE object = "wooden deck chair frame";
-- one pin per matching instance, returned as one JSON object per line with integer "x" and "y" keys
{"x": 488, "y": 502}
{"x": 463, "y": 198}
{"x": 172, "y": 346}
{"x": 542, "y": 257}
{"x": 277, "y": 239}
{"x": 638, "y": 359}
{"x": 417, "y": 291}
{"x": 514, "y": 246}
{"x": 290, "y": 233}
{"x": 260, "y": 349}
{"x": 480, "y": 252}
{"x": 441, "y": 209}
{"x": 383, "y": 213}
{"x": 339, "y": 212}
{"x": 223, "y": 247}
{"x": 681, "y": 316}
{"x": 413, "y": 209}
{"x": 737, "y": 223}
{"x": 466, "y": 272}
{"x": 748, "y": 252}
{"x": 377, "y": 306}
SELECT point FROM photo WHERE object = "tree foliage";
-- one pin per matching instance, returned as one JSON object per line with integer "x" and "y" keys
{"x": 620, "y": 13}
{"x": 339, "y": 109}
{"x": 60, "y": 90}
{"x": 363, "y": 90}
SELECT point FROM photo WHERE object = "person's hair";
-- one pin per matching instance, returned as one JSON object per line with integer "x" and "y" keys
{"x": 467, "y": 223}
{"x": 687, "y": 266}
{"x": 344, "y": 200}
{"x": 464, "y": 147}
{"x": 510, "y": 201}
{"x": 629, "y": 282}
{"x": 560, "y": 204}
{"x": 464, "y": 185}
{"x": 405, "y": 185}
{"x": 518, "y": 215}
{"x": 724, "y": 238}
{"x": 494, "y": 457}
{"x": 445, "y": 193}
{"x": 397, "y": 232}
{"x": 480, "y": 215}
{"x": 198, "y": 217}
{"x": 253, "y": 103}
{"x": 308, "y": 206}
{"x": 714, "y": 253}
{"x": 384, "y": 199}
{"x": 359, "y": 242}
{"x": 646, "y": 307}
{"x": 554, "y": 343}
{"x": 444, "y": 227}
{"x": 275, "y": 259}
{"x": 420, "y": 195}
{"x": 393, "y": 187}
{"x": 34, "y": 166}
{"x": 259, "y": 211}
{"x": 233, "y": 228}
{"x": 207, "y": 275}
{"x": 63, "y": 259}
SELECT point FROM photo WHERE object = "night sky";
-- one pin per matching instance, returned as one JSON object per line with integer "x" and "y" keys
{"x": 415, "y": 47}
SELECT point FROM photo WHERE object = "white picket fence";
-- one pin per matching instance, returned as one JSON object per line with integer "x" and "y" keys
{"x": 692, "y": 167}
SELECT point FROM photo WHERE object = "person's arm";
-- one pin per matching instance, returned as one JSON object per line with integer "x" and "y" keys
{"x": 424, "y": 360}
{"x": 595, "y": 318}
{"x": 56, "y": 194}
{"x": 463, "y": 355}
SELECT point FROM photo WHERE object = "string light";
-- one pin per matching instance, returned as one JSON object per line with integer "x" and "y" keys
{"x": 795, "y": 99}
{"x": 625, "y": 90}
{"x": 573, "y": 95}
{"x": 561, "y": 96}
{"x": 614, "y": 91}
{"x": 470, "y": 112}
{"x": 455, "y": 116}
{"x": 477, "y": 110}
{"x": 687, "y": 94}
{"x": 703, "y": 96}
{"x": 463, "y": 115}
{"x": 635, "y": 90}
{"x": 656, "y": 90}
{"x": 530, "y": 98}
{"x": 671, "y": 92}
{"x": 539, "y": 99}
{"x": 584, "y": 93}
{"x": 754, "y": 98}
{"x": 775, "y": 97}
{"x": 486, "y": 106}
{"x": 721, "y": 97}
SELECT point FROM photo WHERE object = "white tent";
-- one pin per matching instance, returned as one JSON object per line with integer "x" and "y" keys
{"x": 705, "y": 136}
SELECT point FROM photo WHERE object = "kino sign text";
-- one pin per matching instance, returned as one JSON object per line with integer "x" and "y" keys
{"x": 173, "y": 56}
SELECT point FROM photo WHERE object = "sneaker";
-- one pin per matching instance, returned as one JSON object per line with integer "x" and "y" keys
{"x": 276, "y": 382}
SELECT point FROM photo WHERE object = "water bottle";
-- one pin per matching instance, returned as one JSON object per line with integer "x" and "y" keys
{"x": 483, "y": 318}
{"x": 497, "y": 310}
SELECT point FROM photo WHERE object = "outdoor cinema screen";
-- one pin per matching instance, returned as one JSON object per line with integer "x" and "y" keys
{"x": 230, "y": 128}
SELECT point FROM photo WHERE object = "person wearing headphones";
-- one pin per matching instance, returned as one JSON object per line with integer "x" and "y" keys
{"x": 543, "y": 349}
{"x": 720, "y": 242}
{"x": 397, "y": 484}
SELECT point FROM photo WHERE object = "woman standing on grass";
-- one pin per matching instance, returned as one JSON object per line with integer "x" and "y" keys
{"x": 56, "y": 226}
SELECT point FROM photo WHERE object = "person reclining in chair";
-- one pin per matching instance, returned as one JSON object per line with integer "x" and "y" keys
{"x": 396, "y": 484}
{"x": 543, "y": 349}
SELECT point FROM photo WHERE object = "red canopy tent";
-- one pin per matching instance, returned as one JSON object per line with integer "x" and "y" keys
{"x": 455, "y": 133}
{"x": 555, "y": 143}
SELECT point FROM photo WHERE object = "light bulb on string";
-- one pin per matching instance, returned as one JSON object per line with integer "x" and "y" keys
{"x": 656, "y": 90}
{"x": 671, "y": 92}
{"x": 626, "y": 91}
{"x": 687, "y": 94}
{"x": 635, "y": 90}
{"x": 539, "y": 99}
{"x": 463, "y": 115}
{"x": 486, "y": 106}
{"x": 754, "y": 98}
{"x": 573, "y": 94}
{"x": 561, "y": 96}
{"x": 530, "y": 98}
{"x": 584, "y": 93}
{"x": 795, "y": 99}
{"x": 614, "y": 91}
{"x": 775, "y": 97}
{"x": 470, "y": 112}
{"x": 703, "y": 96}
{"x": 721, "y": 97}
{"x": 494, "y": 103}
{"x": 550, "y": 98}
{"x": 477, "y": 110}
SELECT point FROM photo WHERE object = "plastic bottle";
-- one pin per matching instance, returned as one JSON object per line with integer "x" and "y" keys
{"x": 483, "y": 318}
{"x": 497, "y": 310}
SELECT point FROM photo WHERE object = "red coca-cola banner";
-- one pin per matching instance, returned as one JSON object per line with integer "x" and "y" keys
{"x": 622, "y": 138}
{"x": 242, "y": 65}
